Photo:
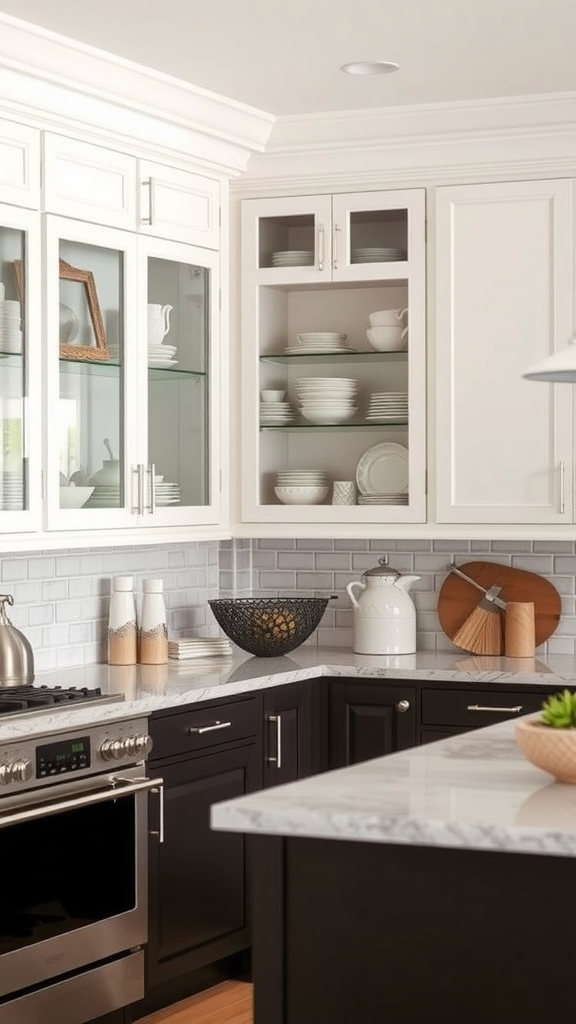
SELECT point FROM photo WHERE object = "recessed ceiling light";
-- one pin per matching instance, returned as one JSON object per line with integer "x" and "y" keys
{"x": 370, "y": 67}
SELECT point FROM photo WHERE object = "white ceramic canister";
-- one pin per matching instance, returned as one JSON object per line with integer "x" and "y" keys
{"x": 384, "y": 614}
{"x": 153, "y": 631}
{"x": 122, "y": 628}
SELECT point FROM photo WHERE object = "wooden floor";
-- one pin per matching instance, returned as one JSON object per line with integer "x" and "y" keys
{"x": 227, "y": 1003}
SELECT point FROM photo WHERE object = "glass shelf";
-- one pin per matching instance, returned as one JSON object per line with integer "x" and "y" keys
{"x": 110, "y": 369}
{"x": 329, "y": 427}
{"x": 345, "y": 357}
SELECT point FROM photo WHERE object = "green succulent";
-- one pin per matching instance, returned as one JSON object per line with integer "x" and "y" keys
{"x": 559, "y": 710}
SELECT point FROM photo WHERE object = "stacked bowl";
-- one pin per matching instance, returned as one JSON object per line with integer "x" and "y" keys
{"x": 301, "y": 486}
{"x": 327, "y": 399}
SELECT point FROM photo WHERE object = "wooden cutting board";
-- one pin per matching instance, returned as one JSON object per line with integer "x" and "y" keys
{"x": 458, "y": 599}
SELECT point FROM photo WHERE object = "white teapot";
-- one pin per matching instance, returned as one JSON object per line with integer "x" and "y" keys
{"x": 384, "y": 614}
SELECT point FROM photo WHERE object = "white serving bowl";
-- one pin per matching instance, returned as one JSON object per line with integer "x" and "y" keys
{"x": 301, "y": 495}
{"x": 327, "y": 415}
{"x": 387, "y": 339}
{"x": 74, "y": 497}
{"x": 272, "y": 396}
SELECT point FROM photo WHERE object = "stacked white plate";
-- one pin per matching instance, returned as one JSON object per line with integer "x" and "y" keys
{"x": 167, "y": 493}
{"x": 292, "y": 258}
{"x": 276, "y": 413}
{"x": 379, "y": 254}
{"x": 104, "y": 496}
{"x": 161, "y": 355}
{"x": 318, "y": 343}
{"x": 327, "y": 399}
{"x": 10, "y": 324}
{"x": 387, "y": 405}
{"x": 199, "y": 647}
{"x": 11, "y": 491}
{"x": 400, "y": 498}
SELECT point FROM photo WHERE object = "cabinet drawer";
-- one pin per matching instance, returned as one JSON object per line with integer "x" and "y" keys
{"x": 472, "y": 709}
{"x": 201, "y": 727}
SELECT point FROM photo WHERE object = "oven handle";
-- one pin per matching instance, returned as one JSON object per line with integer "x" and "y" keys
{"x": 112, "y": 792}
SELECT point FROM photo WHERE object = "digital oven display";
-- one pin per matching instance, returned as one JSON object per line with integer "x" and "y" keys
{"x": 63, "y": 757}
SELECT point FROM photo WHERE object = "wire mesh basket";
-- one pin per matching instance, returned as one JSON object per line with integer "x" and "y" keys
{"x": 268, "y": 626}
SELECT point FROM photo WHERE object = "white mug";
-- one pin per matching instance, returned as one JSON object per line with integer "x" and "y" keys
{"x": 386, "y": 317}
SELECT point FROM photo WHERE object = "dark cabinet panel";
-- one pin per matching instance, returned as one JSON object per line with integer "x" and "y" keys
{"x": 292, "y": 740}
{"x": 366, "y": 721}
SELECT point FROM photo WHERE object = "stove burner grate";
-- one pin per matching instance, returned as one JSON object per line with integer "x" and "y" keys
{"x": 16, "y": 699}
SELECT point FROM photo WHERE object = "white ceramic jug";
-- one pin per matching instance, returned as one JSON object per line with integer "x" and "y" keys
{"x": 158, "y": 322}
{"x": 384, "y": 614}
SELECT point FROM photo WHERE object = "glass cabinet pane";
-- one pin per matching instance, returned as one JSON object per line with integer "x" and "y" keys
{"x": 286, "y": 241}
{"x": 178, "y": 335}
{"x": 13, "y": 372}
{"x": 90, "y": 410}
{"x": 378, "y": 236}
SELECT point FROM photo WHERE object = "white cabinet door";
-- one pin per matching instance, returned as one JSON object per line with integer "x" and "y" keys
{"x": 385, "y": 426}
{"x": 179, "y": 205}
{"x": 504, "y": 286}
{"x": 93, "y": 183}
{"x": 20, "y": 371}
{"x": 19, "y": 164}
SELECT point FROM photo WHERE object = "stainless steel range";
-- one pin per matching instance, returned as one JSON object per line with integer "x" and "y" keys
{"x": 73, "y": 848}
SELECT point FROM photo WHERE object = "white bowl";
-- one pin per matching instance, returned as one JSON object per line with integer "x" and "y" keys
{"x": 387, "y": 317}
{"x": 272, "y": 396}
{"x": 74, "y": 497}
{"x": 387, "y": 339}
{"x": 328, "y": 416}
{"x": 301, "y": 495}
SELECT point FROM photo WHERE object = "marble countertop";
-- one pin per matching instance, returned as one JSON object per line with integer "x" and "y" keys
{"x": 149, "y": 688}
{"x": 473, "y": 791}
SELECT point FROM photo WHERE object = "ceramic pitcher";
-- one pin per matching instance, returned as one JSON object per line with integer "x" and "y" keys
{"x": 158, "y": 322}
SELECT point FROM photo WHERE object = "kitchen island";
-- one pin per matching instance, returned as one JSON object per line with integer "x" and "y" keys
{"x": 432, "y": 886}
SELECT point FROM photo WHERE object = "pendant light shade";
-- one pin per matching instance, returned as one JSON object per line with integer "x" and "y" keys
{"x": 559, "y": 367}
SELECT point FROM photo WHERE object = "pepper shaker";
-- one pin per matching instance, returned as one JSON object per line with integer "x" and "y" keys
{"x": 153, "y": 631}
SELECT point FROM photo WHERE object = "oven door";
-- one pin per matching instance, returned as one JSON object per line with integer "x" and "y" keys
{"x": 74, "y": 880}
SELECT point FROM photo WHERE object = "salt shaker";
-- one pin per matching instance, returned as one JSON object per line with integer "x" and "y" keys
{"x": 122, "y": 630}
{"x": 153, "y": 631}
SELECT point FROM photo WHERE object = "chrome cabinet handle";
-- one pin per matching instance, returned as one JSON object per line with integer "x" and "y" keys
{"x": 278, "y": 759}
{"x": 151, "y": 472}
{"x": 159, "y": 789}
{"x": 402, "y": 706}
{"x": 337, "y": 235}
{"x": 320, "y": 247}
{"x": 150, "y": 186}
{"x": 562, "y": 487}
{"x": 198, "y": 730}
{"x": 137, "y": 471}
{"x": 500, "y": 711}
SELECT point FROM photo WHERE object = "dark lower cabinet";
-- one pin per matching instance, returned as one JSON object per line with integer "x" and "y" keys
{"x": 292, "y": 747}
{"x": 447, "y": 711}
{"x": 198, "y": 895}
{"x": 367, "y": 720}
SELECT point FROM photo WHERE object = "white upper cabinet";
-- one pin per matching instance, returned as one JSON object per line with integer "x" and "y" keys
{"x": 19, "y": 164}
{"x": 92, "y": 183}
{"x": 179, "y": 204}
{"x": 505, "y": 278}
{"x": 320, "y": 266}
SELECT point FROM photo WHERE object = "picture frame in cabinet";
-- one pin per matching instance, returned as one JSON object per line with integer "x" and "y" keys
{"x": 80, "y": 314}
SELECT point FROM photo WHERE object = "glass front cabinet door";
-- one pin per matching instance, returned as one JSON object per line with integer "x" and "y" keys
{"x": 131, "y": 323}
{"x": 20, "y": 371}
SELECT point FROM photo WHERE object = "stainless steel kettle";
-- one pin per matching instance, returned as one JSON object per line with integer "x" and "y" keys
{"x": 16, "y": 656}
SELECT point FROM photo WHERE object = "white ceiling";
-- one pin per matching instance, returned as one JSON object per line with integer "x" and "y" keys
{"x": 284, "y": 57}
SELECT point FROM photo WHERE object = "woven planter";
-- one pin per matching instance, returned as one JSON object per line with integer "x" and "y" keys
{"x": 553, "y": 750}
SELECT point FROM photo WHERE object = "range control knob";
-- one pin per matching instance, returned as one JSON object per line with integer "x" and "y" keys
{"x": 111, "y": 750}
{"x": 131, "y": 746}
{"x": 22, "y": 770}
{"x": 143, "y": 744}
{"x": 5, "y": 774}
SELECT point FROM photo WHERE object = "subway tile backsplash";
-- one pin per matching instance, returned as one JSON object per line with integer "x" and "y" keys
{"x": 61, "y": 598}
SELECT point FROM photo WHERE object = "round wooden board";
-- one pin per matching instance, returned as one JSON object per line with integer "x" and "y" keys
{"x": 458, "y": 599}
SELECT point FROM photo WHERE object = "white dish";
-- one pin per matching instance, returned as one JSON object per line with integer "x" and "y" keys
{"x": 155, "y": 363}
{"x": 325, "y": 417}
{"x": 383, "y": 469}
{"x": 301, "y": 495}
{"x": 74, "y": 497}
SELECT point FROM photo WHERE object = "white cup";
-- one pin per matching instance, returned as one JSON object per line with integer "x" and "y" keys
{"x": 272, "y": 396}
{"x": 383, "y": 317}
{"x": 387, "y": 338}
{"x": 344, "y": 492}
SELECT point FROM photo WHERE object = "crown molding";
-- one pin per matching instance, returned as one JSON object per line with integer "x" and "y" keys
{"x": 48, "y": 76}
{"x": 418, "y": 144}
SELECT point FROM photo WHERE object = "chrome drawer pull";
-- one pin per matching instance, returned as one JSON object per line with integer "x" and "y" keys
{"x": 199, "y": 729}
{"x": 499, "y": 711}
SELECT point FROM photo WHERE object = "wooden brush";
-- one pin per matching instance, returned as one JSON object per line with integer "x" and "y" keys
{"x": 481, "y": 633}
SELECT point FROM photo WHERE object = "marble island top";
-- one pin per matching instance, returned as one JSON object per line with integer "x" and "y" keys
{"x": 473, "y": 791}
{"x": 150, "y": 688}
